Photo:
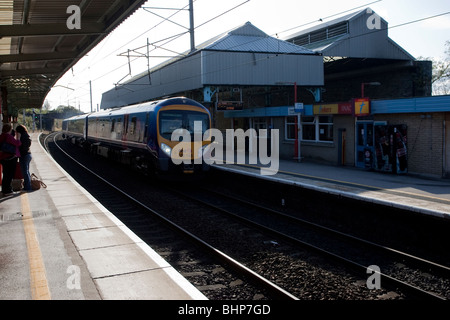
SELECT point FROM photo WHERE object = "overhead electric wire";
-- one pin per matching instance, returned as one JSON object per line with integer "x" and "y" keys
{"x": 223, "y": 13}
{"x": 212, "y": 19}
{"x": 181, "y": 34}
{"x": 275, "y": 55}
{"x": 419, "y": 20}
{"x": 172, "y": 38}
{"x": 148, "y": 30}
{"x": 328, "y": 17}
{"x": 382, "y": 29}
{"x": 200, "y": 25}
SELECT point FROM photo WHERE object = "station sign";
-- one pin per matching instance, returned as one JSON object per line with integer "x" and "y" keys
{"x": 333, "y": 108}
{"x": 362, "y": 107}
{"x": 345, "y": 108}
{"x": 230, "y": 105}
{"x": 298, "y": 107}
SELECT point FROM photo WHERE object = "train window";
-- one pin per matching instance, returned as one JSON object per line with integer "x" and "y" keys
{"x": 113, "y": 123}
{"x": 133, "y": 125}
{"x": 119, "y": 126}
{"x": 197, "y": 117}
{"x": 171, "y": 120}
{"x": 168, "y": 122}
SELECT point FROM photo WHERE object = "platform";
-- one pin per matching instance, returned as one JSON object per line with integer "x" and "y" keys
{"x": 414, "y": 193}
{"x": 60, "y": 243}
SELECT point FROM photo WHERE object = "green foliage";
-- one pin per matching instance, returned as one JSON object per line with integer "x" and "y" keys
{"x": 50, "y": 119}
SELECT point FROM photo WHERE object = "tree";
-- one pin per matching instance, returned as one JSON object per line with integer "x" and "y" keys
{"x": 46, "y": 105}
{"x": 441, "y": 73}
{"x": 67, "y": 111}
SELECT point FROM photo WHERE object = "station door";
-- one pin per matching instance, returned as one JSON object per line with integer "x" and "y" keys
{"x": 364, "y": 144}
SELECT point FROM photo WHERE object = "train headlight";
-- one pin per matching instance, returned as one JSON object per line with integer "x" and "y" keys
{"x": 166, "y": 149}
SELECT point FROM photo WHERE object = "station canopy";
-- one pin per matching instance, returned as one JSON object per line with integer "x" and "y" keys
{"x": 40, "y": 41}
{"x": 242, "y": 57}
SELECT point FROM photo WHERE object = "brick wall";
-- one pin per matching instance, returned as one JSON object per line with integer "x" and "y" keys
{"x": 405, "y": 82}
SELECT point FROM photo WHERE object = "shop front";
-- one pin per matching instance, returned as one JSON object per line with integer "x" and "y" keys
{"x": 395, "y": 136}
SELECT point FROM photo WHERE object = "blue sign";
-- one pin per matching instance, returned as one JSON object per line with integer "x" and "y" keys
{"x": 298, "y": 107}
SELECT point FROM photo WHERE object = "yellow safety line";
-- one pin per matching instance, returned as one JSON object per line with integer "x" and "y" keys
{"x": 353, "y": 183}
{"x": 38, "y": 279}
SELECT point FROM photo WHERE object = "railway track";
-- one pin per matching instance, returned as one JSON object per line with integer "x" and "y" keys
{"x": 191, "y": 256}
{"x": 416, "y": 273}
{"x": 234, "y": 227}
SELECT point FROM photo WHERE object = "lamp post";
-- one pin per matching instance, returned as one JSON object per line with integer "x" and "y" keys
{"x": 368, "y": 84}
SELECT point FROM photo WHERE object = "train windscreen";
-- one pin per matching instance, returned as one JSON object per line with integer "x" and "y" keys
{"x": 171, "y": 120}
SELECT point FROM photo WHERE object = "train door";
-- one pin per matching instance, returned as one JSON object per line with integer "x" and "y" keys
{"x": 85, "y": 128}
{"x": 125, "y": 127}
{"x": 364, "y": 144}
{"x": 147, "y": 118}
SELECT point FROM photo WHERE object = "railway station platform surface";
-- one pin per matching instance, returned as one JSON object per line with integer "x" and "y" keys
{"x": 424, "y": 195}
{"x": 59, "y": 243}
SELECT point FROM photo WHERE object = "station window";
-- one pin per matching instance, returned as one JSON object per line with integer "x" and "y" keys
{"x": 317, "y": 128}
{"x": 309, "y": 128}
{"x": 326, "y": 128}
{"x": 259, "y": 123}
{"x": 290, "y": 128}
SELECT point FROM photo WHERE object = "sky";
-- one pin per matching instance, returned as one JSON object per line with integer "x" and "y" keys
{"x": 107, "y": 64}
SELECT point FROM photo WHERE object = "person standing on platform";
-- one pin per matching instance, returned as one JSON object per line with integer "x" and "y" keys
{"x": 25, "y": 156}
{"x": 8, "y": 159}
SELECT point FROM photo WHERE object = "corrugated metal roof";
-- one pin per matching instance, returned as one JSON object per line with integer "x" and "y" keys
{"x": 324, "y": 25}
{"x": 243, "y": 56}
{"x": 412, "y": 105}
{"x": 321, "y": 46}
{"x": 248, "y": 38}
{"x": 6, "y": 18}
{"x": 245, "y": 38}
{"x": 350, "y": 36}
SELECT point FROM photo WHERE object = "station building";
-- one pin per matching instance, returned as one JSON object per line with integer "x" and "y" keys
{"x": 341, "y": 93}
{"x": 400, "y": 128}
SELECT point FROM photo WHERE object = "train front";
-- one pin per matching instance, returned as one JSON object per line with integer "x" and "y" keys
{"x": 183, "y": 137}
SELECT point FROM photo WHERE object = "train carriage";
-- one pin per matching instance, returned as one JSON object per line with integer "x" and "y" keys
{"x": 140, "y": 135}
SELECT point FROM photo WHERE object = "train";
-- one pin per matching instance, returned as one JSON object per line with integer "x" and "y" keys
{"x": 140, "y": 135}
